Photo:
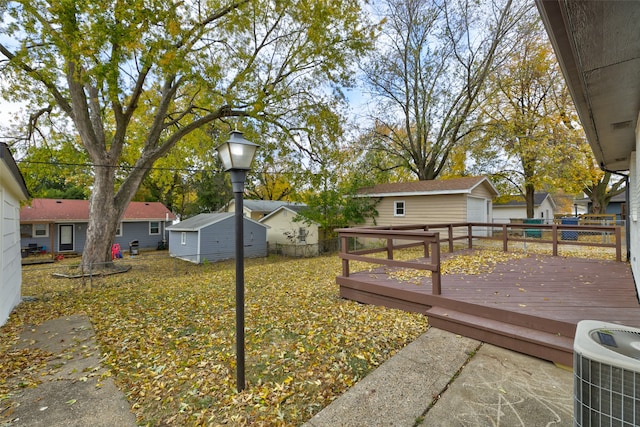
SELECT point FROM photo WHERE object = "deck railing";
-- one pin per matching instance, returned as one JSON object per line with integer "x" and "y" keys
{"x": 430, "y": 242}
{"x": 425, "y": 235}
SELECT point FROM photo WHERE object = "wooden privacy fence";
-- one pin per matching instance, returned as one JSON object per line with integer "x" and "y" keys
{"x": 429, "y": 237}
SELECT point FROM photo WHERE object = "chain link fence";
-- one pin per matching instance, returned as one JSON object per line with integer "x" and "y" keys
{"x": 305, "y": 251}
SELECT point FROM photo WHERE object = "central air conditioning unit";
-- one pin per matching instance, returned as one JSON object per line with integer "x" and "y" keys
{"x": 606, "y": 367}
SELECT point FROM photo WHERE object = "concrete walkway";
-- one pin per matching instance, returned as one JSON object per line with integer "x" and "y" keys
{"x": 74, "y": 393}
{"x": 472, "y": 384}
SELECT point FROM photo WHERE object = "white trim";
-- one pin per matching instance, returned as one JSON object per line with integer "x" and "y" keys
{"x": 415, "y": 193}
{"x": 432, "y": 192}
{"x": 395, "y": 208}
{"x": 119, "y": 230}
{"x": 159, "y": 231}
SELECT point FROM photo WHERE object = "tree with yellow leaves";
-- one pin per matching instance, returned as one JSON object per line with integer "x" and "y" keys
{"x": 136, "y": 77}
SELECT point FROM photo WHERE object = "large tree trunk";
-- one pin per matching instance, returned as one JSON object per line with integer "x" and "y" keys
{"x": 601, "y": 193}
{"x": 529, "y": 198}
{"x": 104, "y": 216}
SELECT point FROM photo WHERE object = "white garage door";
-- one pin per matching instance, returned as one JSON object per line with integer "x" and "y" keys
{"x": 477, "y": 212}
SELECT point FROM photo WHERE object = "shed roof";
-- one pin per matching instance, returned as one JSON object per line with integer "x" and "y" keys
{"x": 538, "y": 198}
{"x": 431, "y": 187}
{"x": 51, "y": 210}
{"x": 267, "y": 206}
{"x": 202, "y": 220}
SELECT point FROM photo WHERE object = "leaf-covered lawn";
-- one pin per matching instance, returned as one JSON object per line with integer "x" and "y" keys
{"x": 167, "y": 331}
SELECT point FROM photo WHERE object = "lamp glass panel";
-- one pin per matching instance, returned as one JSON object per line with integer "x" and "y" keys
{"x": 241, "y": 155}
{"x": 225, "y": 156}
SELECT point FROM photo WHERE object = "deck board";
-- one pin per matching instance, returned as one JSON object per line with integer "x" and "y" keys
{"x": 552, "y": 292}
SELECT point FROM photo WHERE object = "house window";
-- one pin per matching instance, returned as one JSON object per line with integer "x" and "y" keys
{"x": 154, "y": 227}
{"x": 183, "y": 238}
{"x": 398, "y": 208}
{"x": 302, "y": 235}
{"x": 119, "y": 230}
{"x": 40, "y": 230}
{"x": 26, "y": 230}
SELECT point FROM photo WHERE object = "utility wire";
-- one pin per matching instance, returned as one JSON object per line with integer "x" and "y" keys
{"x": 126, "y": 167}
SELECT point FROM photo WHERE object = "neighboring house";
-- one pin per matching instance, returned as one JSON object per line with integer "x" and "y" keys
{"x": 596, "y": 44}
{"x": 544, "y": 208}
{"x": 211, "y": 237}
{"x": 295, "y": 237}
{"x": 466, "y": 199}
{"x": 60, "y": 225}
{"x": 258, "y": 209}
{"x": 12, "y": 191}
{"x": 617, "y": 206}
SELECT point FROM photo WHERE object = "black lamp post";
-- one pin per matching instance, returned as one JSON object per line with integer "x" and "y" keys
{"x": 575, "y": 208}
{"x": 237, "y": 155}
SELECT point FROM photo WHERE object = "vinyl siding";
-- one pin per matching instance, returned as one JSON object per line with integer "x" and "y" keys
{"x": 483, "y": 191}
{"x": 423, "y": 210}
{"x": 188, "y": 251}
{"x": 282, "y": 222}
{"x": 140, "y": 231}
{"x": 633, "y": 217}
{"x": 216, "y": 242}
{"x": 130, "y": 231}
{"x": 10, "y": 258}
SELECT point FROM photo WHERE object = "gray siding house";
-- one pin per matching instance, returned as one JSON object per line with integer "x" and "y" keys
{"x": 211, "y": 237}
{"x": 60, "y": 225}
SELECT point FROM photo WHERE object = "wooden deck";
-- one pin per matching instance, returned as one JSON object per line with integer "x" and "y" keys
{"x": 531, "y": 305}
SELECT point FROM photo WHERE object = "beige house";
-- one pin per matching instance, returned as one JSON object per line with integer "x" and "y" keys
{"x": 295, "y": 238}
{"x": 467, "y": 199}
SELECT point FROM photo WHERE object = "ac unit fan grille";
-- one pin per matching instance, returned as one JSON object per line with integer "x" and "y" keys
{"x": 605, "y": 395}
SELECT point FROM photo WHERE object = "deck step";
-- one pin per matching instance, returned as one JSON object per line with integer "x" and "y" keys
{"x": 544, "y": 345}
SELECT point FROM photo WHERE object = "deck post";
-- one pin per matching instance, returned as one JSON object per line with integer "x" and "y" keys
{"x": 505, "y": 242}
{"x": 345, "y": 249}
{"x": 618, "y": 244}
{"x": 554, "y": 237}
{"x": 435, "y": 275}
{"x": 470, "y": 235}
{"x": 450, "y": 229}
{"x": 389, "y": 248}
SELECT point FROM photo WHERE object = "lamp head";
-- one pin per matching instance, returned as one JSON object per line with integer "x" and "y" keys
{"x": 237, "y": 153}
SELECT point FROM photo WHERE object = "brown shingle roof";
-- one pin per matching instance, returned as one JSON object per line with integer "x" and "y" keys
{"x": 440, "y": 186}
{"x": 51, "y": 210}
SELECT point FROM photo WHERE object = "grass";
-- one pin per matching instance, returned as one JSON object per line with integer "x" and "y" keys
{"x": 167, "y": 333}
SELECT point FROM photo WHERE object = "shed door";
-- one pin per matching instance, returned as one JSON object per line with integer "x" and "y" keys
{"x": 66, "y": 238}
{"x": 477, "y": 212}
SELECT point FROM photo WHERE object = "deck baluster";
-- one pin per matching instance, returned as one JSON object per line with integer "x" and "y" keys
{"x": 344, "y": 250}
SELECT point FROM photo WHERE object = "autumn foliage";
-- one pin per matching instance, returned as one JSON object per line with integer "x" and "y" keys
{"x": 166, "y": 330}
